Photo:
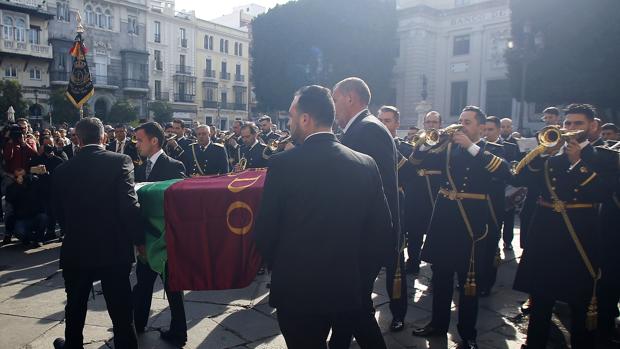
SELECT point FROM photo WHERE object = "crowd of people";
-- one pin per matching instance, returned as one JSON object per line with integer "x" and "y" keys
{"x": 344, "y": 197}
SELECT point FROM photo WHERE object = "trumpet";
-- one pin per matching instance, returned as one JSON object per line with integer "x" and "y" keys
{"x": 242, "y": 165}
{"x": 276, "y": 144}
{"x": 550, "y": 137}
{"x": 428, "y": 138}
{"x": 170, "y": 137}
{"x": 435, "y": 137}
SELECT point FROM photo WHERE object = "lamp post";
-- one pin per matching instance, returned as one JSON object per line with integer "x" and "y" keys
{"x": 527, "y": 52}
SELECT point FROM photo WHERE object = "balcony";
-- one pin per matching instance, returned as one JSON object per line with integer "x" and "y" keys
{"x": 240, "y": 106}
{"x": 184, "y": 70}
{"x": 25, "y": 48}
{"x": 224, "y": 75}
{"x": 183, "y": 42}
{"x": 183, "y": 98}
{"x": 105, "y": 81}
{"x": 209, "y": 104}
{"x": 239, "y": 78}
{"x": 157, "y": 38}
{"x": 159, "y": 65}
{"x": 225, "y": 105}
{"x": 136, "y": 85}
{"x": 210, "y": 74}
{"x": 59, "y": 77}
{"x": 161, "y": 96}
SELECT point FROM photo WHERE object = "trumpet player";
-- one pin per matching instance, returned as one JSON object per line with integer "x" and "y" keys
{"x": 565, "y": 223}
{"x": 205, "y": 157}
{"x": 460, "y": 221}
{"x": 266, "y": 127}
{"x": 251, "y": 150}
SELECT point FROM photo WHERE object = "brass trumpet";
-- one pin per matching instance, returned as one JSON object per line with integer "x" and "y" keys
{"x": 428, "y": 138}
{"x": 550, "y": 137}
{"x": 276, "y": 144}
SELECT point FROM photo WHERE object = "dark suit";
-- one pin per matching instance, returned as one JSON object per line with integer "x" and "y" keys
{"x": 341, "y": 225}
{"x": 165, "y": 168}
{"x": 129, "y": 149}
{"x": 368, "y": 135}
{"x": 68, "y": 149}
{"x": 98, "y": 208}
{"x": 209, "y": 160}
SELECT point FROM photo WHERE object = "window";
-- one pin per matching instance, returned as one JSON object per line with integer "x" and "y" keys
{"x": 209, "y": 120}
{"x": 159, "y": 65}
{"x": 241, "y": 49}
{"x": 35, "y": 74}
{"x": 35, "y": 35}
{"x": 132, "y": 25}
{"x": 458, "y": 97}
{"x": 7, "y": 28}
{"x": 10, "y": 72}
{"x": 499, "y": 100}
{"x": 157, "y": 37}
{"x": 90, "y": 15}
{"x": 238, "y": 69}
{"x": 210, "y": 42}
{"x": 221, "y": 45}
{"x": 461, "y": 45}
{"x": 109, "y": 20}
{"x": 158, "y": 89}
{"x": 99, "y": 18}
{"x": 236, "y": 48}
{"x": 183, "y": 36}
{"x": 20, "y": 30}
{"x": 62, "y": 11}
{"x": 224, "y": 67}
{"x": 206, "y": 42}
{"x": 224, "y": 97}
{"x": 226, "y": 46}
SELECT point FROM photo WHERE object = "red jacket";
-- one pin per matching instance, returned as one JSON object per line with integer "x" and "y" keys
{"x": 17, "y": 156}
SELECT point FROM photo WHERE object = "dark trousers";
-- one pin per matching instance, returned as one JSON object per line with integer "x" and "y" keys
{"x": 509, "y": 225}
{"x": 540, "y": 322}
{"x": 398, "y": 307}
{"x": 488, "y": 269}
{"x": 117, "y": 293}
{"x": 309, "y": 331}
{"x": 414, "y": 246}
{"x": 363, "y": 325}
{"x": 608, "y": 295}
{"x": 142, "y": 295}
{"x": 443, "y": 287}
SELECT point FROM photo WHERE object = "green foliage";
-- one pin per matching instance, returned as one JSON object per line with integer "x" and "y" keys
{"x": 11, "y": 95}
{"x": 162, "y": 111}
{"x": 322, "y": 42}
{"x": 123, "y": 111}
{"x": 578, "y": 60}
{"x": 63, "y": 110}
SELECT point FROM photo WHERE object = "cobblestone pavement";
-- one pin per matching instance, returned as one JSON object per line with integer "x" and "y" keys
{"x": 32, "y": 301}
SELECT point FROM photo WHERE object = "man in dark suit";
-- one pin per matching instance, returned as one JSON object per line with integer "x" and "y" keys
{"x": 72, "y": 148}
{"x": 178, "y": 146}
{"x": 205, "y": 157}
{"x": 97, "y": 183}
{"x": 122, "y": 144}
{"x": 157, "y": 167}
{"x": 340, "y": 216}
{"x": 363, "y": 132}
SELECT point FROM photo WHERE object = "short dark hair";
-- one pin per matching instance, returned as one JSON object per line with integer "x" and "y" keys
{"x": 392, "y": 109}
{"x": 22, "y": 120}
{"x": 610, "y": 127}
{"x": 356, "y": 86}
{"x": 317, "y": 102}
{"x": 123, "y": 126}
{"x": 586, "y": 109}
{"x": 495, "y": 120}
{"x": 250, "y": 126}
{"x": 153, "y": 129}
{"x": 179, "y": 121}
{"x": 552, "y": 111}
{"x": 240, "y": 122}
{"x": 264, "y": 118}
{"x": 89, "y": 130}
{"x": 481, "y": 117}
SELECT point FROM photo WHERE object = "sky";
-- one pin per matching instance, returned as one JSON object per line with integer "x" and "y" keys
{"x": 211, "y": 9}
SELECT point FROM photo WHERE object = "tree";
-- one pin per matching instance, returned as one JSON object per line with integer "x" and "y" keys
{"x": 63, "y": 110}
{"x": 321, "y": 42}
{"x": 123, "y": 111}
{"x": 577, "y": 62}
{"x": 11, "y": 95}
{"x": 162, "y": 111}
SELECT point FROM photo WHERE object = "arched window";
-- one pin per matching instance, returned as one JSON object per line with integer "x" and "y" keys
{"x": 7, "y": 25}
{"x": 90, "y": 15}
{"x": 20, "y": 30}
{"x": 99, "y": 19}
{"x": 108, "y": 17}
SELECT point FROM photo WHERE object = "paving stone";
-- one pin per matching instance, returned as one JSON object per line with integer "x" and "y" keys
{"x": 36, "y": 301}
{"x": 95, "y": 336}
{"x": 18, "y": 331}
{"x": 249, "y": 324}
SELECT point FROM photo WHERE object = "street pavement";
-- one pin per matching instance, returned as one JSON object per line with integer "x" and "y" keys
{"x": 32, "y": 301}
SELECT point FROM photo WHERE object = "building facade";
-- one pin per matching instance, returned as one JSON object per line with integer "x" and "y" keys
{"x": 116, "y": 39}
{"x": 25, "y": 54}
{"x": 452, "y": 55}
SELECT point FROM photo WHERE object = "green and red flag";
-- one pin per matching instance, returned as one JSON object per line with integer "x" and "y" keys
{"x": 203, "y": 229}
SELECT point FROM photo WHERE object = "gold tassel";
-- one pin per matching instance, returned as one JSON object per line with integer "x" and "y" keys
{"x": 396, "y": 294}
{"x": 592, "y": 315}
{"x": 470, "y": 284}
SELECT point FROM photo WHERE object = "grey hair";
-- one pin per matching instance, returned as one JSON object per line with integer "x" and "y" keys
{"x": 356, "y": 86}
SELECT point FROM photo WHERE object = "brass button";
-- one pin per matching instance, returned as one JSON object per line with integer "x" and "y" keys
{"x": 464, "y": 184}
{"x": 465, "y": 178}
{"x": 551, "y": 170}
{"x": 467, "y": 169}
{"x": 576, "y": 190}
{"x": 552, "y": 188}
{"x": 574, "y": 199}
{"x": 554, "y": 179}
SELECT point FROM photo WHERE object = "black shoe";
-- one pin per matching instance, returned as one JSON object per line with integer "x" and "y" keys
{"x": 468, "y": 344}
{"x": 413, "y": 267}
{"x": 7, "y": 239}
{"x": 59, "y": 343}
{"x": 428, "y": 331}
{"x": 173, "y": 338}
{"x": 397, "y": 325}
{"x": 508, "y": 247}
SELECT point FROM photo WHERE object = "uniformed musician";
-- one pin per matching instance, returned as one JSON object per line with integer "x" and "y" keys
{"x": 266, "y": 127}
{"x": 205, "y": 157}
{"x": 251, "y": 150}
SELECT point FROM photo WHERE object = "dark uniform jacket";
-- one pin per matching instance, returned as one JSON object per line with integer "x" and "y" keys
{"x": 206, "y": 160}
{"x": 448, "y": 242}
{"x": 267, "y": 138}
{"x": 329, "y": 199}
{"x": 551, "y": 264}
{"x": 254, "y": 155}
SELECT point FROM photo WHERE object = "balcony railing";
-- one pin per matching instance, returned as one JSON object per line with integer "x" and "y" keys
{"x": 184, "y": 69}
{"x": 209, "y": 104}
{"x": 240, "y": 106}
{"x": 210, "y": 73}
{"x": 225, "y": 105}
{"x": 135, "y": 83}
{"x": 183, "y": 97}
{"x": 157, "y": 38}
{"x": 239, "y": 78}
{"x": 224, "y": 75}
{"x": 104, "y": 80}
{"x": 162, "y": 96}
{"x": 59, "y": 76}
{"x": 25, "y": 48}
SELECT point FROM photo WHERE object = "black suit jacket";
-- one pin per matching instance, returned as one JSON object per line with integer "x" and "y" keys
{"x": 323, "y": 217}
{"x": 369, "y": 136}
{"x": 98, "y": 208}
{"x": 129, "y": 149}
{"x": 165, "y": 168}
{"x": 68, "y": 149}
